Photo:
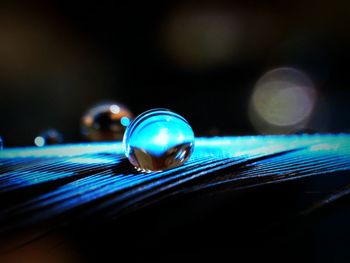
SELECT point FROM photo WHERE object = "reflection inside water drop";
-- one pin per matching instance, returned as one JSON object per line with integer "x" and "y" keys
{"x": 158, "y": 140}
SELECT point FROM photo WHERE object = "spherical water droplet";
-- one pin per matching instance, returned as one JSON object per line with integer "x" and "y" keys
{"x": 105, "y": 122}
{"x": 48, "y": 137}
{"x": 157, "y": 140}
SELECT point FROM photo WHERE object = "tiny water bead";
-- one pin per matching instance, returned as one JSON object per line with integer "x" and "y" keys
{"x": 105, "y": 122}
{"x": 48, "y": 137}
{"x": 157, "y": 140}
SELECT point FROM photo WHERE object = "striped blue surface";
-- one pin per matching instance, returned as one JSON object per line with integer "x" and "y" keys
{"x": 89, "y": 180}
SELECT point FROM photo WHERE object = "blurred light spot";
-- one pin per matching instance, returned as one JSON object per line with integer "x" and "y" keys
{"x": 48, "y": 137}
{"x": 282, "y": 101}
{"x": 201, "y": 37}
{"x": 114, "y": 109}
{"x": 39, "y": 141}
{"x": 125, "y": 121}
{"x": 283, "y": 106}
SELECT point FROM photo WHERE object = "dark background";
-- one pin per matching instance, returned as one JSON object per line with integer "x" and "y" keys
{"x": 58, "y": 58}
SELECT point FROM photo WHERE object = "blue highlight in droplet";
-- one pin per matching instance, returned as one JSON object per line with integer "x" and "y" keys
{"x": 157, "y": 140}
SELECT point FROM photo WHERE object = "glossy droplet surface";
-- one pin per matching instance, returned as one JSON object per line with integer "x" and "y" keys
{"x": 157, "y": 140}
{"x": 105, "y": 122}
